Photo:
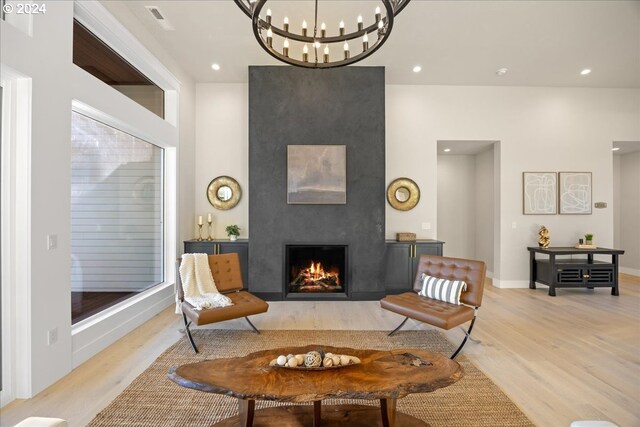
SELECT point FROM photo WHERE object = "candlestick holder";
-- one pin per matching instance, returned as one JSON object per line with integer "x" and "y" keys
{"x": 210, "y": 233}
{"x": 199, "y": 239}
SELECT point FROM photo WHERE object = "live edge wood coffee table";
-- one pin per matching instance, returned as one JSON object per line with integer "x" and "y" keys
{"x": 382, "y": 375}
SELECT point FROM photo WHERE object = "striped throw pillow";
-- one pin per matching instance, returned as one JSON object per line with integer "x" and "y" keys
{"x": 442, "y": 289}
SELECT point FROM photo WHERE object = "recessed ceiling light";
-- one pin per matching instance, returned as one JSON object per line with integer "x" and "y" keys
{"x": 585, "y": 71}
{"x": 501, "y": 71}
{"x": 446, "y": 150}
{"x": 417, "y": 69}
{"x": 215, "y": 67}
{"x": 615, "y": 148}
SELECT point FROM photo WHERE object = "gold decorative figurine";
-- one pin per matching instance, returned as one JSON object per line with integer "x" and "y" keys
{"x": 543, "y": 239}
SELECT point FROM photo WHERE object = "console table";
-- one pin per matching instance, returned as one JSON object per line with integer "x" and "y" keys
{"x": 573, "y": 273}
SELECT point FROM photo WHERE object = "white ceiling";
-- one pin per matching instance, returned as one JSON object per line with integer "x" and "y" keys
{"x": 542, "y": 43}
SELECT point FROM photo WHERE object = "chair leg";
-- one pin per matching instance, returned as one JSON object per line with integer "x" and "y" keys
{"x": 467, "y": 334}
{"x": 186, "y": 329}
{"x": 254, "y": 328}
{"x": 399, "y": 326}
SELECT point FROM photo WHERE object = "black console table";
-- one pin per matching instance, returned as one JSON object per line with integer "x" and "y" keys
{"x": 573, "y": 273}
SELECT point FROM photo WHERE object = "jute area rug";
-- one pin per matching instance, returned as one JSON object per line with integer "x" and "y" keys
{"x": 154, "y": 400}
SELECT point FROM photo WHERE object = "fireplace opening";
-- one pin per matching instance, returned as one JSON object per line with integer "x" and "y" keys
{"x": 316, "y": 269}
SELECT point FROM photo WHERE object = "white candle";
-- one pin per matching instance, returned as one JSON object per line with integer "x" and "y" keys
{"x": 209, "y": 218}
{"x": 200, "y": 220}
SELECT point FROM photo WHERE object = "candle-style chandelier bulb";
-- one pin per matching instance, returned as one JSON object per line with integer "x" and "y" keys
{"x": 285, "y": 47}
{"x": 325, "y": 57}
{"x": 269, "y": 16}
{"x": 360, "y": 24}
{"x": 286, "y": 23}
{"x": 304, "y": 28}
{"x": 365, "y": 42}
{"x": 323, "y": 30}
{"x": 269, "y": 37}
{"x": 346, "y": 50}
{"x": 305, "y": 54}
{"x": 342, "y": 28}
{"x": 378, "y": 15}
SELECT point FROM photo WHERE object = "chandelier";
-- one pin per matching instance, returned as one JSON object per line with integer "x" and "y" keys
{"x": 321, "y": 47}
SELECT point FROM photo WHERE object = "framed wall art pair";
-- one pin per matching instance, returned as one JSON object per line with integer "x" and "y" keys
{"x": 549, "y": 193}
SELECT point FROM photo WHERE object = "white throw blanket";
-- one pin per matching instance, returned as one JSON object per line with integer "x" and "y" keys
{"x": 197, "y": 283}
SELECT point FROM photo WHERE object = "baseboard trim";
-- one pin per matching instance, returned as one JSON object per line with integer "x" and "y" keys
{"x": 629, "y": 271}
{"x": 510, "y": 284}
{"x": 355, "y": 296}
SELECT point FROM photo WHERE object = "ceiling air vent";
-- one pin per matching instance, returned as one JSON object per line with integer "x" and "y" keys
{"x": 159, "y": 18}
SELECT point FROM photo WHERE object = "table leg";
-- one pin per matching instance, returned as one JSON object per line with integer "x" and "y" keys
{"x": 388, "y": 410}
{"x": 554, "y": 274}
{"x": 246, "y": 412}
{"x": 532, "y": 270}
{"x": 614, "y": 289}
{"x": 317, "y": 413}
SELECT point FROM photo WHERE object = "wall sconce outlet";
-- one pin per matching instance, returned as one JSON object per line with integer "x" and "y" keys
{"x": 600, "y": 205}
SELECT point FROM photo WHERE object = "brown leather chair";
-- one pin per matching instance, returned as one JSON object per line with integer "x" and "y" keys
{"x": 227, "y": 275}
{"x": 438, "y": 313}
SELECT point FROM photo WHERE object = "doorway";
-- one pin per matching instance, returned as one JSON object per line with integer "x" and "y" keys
{"x": 626, "y": 204}
{"x": 467, "y": 199}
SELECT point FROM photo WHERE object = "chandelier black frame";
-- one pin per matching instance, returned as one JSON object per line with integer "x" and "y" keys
{"x": 264, "y": 31}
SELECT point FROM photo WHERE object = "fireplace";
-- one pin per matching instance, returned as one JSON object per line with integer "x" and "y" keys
{"x": 316, "y": 271}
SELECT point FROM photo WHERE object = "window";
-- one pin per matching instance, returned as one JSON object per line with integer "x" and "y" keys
{"x": 95, "y": 57}
{"x": 116, "y": 216}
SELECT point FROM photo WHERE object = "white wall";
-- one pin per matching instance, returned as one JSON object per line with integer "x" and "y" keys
{"x": 54, "y": 86}
{"x": 616, "y": 201}
{"x": 457, "y": 204}
{"x": 484, "y": 208}
{"x": 556, "y": 129}
{"x": 628, "y": 211}
{"x": 222, "y": 147}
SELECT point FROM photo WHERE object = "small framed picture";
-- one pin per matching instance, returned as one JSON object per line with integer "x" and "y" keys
{"x": 539, "y": 193}
{"x": 574, "y": 196}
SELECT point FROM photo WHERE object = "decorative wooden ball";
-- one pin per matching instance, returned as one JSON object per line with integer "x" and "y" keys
{"x": 312, "y": 359}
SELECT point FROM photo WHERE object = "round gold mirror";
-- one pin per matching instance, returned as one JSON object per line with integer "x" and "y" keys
{"x": 224, "y": 192}
{"x": 403, "y": 194}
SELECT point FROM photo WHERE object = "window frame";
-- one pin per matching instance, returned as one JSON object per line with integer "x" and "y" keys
{"x": 77, "y": 108}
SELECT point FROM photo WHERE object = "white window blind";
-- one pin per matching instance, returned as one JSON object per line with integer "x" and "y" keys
{"x": 116, "y": 209}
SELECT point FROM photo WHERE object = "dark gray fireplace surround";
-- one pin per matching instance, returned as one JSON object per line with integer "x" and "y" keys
{"x": 294, "y": 106}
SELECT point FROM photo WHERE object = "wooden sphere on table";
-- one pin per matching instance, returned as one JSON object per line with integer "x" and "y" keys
{"x": 312, "y": 359}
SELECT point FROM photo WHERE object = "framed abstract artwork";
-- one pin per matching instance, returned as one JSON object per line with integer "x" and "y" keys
{"x": 574, "y": 193}
{"x": 317, "y": 174}
{"x": 539, "y": 193}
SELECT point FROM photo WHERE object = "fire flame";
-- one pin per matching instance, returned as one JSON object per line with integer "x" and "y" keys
{"x": 316, "y": 271}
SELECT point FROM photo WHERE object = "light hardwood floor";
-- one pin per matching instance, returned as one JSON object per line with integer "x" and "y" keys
{"x": 575, "y": 356}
